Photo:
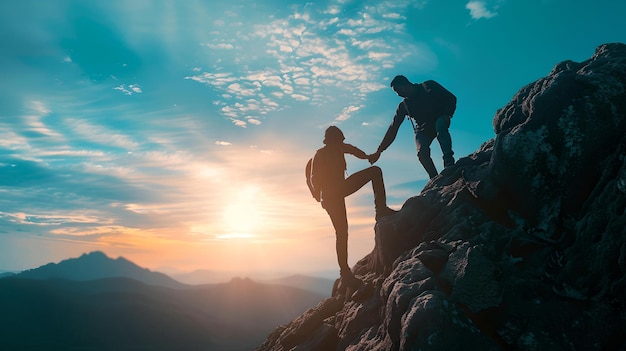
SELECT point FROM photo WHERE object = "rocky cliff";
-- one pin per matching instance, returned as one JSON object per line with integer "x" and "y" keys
{"x": 519, "y": 246}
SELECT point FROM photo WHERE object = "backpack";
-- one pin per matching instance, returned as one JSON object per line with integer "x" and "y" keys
{"x": 432, "y": 102}
{"x": 309, "y": 183}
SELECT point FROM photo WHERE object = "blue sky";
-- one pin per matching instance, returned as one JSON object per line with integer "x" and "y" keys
{"x": 175, "y": 133}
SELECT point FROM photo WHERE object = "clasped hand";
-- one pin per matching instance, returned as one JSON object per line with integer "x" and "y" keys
{"x": 372, "y": 158}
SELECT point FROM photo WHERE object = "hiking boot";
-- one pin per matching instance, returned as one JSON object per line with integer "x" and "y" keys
{"x": 448, "y": 161}
{"x": 384, "y": 212}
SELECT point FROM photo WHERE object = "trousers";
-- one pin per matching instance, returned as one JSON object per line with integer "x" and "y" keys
{"x": 425, "y": 137}
{"x": 335, "y": 206}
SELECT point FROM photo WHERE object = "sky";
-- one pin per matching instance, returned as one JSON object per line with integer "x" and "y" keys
{"x": 175, "y": 133}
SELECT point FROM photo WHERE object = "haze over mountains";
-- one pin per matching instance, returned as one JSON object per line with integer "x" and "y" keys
{"x": 98, "y": 303}
{"x": 97, "y": 265}
{"x": 208, "y": 276}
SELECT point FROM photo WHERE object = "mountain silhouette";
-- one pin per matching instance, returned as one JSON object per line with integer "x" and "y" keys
{"x": 6, "y": 274}
{"x": 518, "y": 246}
{"x": 126, "y": 314}
{"x": 97, "y": 265}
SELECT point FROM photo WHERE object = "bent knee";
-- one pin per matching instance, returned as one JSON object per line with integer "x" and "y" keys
{"x": 373, "y": 171}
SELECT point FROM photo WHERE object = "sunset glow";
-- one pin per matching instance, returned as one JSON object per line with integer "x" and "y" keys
{"x": 175, "y": 134}
{"x": 242, "y": 215}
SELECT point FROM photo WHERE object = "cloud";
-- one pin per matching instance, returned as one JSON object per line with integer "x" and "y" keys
{"x": 35, "y": 122}
{"x": 311, "y": 56}
{"x": 156, "y": 194}
{"x": 52, "y": 220}
{"x": 478, "y": 10}
{"x": 149, "y": 173}
{"x": 132, "y": 89}
{"x": 300, "y": 97}
{"x": 215, "y": 79}
{"x": 135, "y": 88}
{"x": 240, "y": 123}
{"x": 346, "y": 113}
{"x": 100, "y": 134}
{"x": 221, "y": 46}
{"x": 396, "y": 16}
{"x": 378, "y": 56}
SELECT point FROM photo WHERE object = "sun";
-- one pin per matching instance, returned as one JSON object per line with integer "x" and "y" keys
{"x": 242, "y": 216}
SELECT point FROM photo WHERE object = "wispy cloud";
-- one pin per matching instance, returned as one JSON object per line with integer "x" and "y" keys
{"x": 221, "y": 46}
{"x": 50, "y": 220}
{"x": 309, "y": 55}
{"x": 346, "y": 112}
{"x": 95, "y": 158}
{"x": 478, "y": 10}
{"x": 130, "y": 90}
{"x": 100, "y": 134}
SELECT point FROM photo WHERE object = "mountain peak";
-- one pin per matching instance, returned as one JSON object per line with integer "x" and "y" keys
{"x": 97, "y": 265}
{"x": 94, "y": 254}
{"x": 93, "y": 257}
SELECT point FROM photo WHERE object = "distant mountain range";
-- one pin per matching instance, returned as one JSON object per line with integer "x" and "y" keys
{"x": 98, "y": 303}
{"x": 97, "y": 265}
{"x": 321, "y": 286}
{"x": 207, "y": 276}
{"x": 6, "y": 274}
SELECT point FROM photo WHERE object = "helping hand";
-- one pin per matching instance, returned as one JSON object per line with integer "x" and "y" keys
{"x": 373, "y": 157}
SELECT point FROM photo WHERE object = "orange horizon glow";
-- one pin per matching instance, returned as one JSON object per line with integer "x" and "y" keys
{"x": 253, "y": 223}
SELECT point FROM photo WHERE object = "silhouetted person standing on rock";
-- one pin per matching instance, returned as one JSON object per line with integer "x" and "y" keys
{"x": 330, "y": 186}
{"x": 429, "y": 107}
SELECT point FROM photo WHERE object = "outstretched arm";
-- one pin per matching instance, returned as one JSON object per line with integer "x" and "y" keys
{"x": 391, "y": 133}
{"x": 353, "y": 150}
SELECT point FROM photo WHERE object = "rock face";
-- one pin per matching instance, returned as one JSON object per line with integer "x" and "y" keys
{"x": 519, "y": 246}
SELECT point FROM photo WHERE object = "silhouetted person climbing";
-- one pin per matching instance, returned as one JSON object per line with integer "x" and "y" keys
{"x": 330, "y": 186}
{"x": 430, "y": 108}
